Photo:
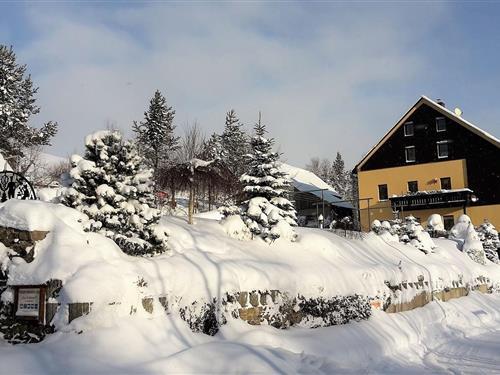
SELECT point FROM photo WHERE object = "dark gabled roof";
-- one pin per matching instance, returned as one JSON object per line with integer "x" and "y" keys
{"x": 446, "y": 112}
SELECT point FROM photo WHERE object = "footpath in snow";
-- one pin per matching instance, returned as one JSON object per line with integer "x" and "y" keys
{"x": 459, "y": 336}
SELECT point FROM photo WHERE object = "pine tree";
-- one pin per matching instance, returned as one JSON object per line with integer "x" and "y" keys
{"x": 112, "y": 187}
{"x": 234, "y": 143}
{"x": 155, "y": 134}
{"x": 339, "y": 177}
{"x": 212, "y": 148}
{"x": 488, "y": 235}
{"x": 267, "y": 210}
{"x": 17, "y": 105}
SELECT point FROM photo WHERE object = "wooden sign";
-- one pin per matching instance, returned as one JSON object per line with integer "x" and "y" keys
{"x": 29, "y": 303}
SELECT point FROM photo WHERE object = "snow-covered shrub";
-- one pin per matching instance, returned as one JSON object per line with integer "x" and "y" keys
{"x": 435, "y": 226}
{"x": 203, "y": 317}
{"x": 488, "y": 235}
{"x": 473, "y": 247}
{"x": 111, "y": 186}
{"x": 335, "y": 310}
{"x": 459, "y": 230}
{"x": 410, "y": 232}
{"x": 235, "y": 227}
{"x": 414, "y": 234}
{"x": 377, "y": 226}
{"x": 267, "y": 212}
{"x": 464, "y": 233}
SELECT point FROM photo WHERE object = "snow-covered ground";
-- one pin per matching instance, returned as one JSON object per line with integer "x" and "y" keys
{"x": 459, "y": 336}
{"x": 204, "y": 262}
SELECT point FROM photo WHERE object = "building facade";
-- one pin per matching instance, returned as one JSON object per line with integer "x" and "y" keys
{"x": 431, "y": 161}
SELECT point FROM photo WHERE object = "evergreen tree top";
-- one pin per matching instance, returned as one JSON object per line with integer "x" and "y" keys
{"x": 17, "y": 105}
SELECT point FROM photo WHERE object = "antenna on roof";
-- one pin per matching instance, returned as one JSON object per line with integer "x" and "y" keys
{"x": 440, "y": 102}
{"x": 458, "y": 112}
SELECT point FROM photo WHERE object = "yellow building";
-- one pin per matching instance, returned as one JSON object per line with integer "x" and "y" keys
{"x": 431, "y": 161}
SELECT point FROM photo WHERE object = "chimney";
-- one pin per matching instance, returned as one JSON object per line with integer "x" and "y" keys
{"x": 440, "y": 102}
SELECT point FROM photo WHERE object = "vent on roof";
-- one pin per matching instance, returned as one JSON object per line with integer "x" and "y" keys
{"x": 440, "y": 102}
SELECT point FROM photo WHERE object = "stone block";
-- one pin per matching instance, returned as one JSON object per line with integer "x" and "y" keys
{"x": 242, "y": 299}
{"x": 37, "y": 235}
{"x": 147, "y": 304}
{"x": 263, "y": 298}
{"x": 163, "y": 301}
{"x": 251, "y": 314}
{"x": 254, "y": 299}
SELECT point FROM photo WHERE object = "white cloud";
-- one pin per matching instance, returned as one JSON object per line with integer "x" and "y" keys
{"x": 311, "y": 70}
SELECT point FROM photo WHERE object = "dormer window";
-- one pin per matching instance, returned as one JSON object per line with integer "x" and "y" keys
{"x": 443, "y": 149}
{"x": 440, "y": 124}
{"x": 410, "y": 154}
{"x": 409, "y": 129}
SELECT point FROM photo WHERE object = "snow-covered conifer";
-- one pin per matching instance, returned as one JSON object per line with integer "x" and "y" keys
{"x": 338, "y": 175}
{"x": 212, "y": 148}
{"x": 17, "y": 105}
{"x": 234, "y": 142}
{"x": 267, "y": 211}
{"x": 488, "y": 235}
{"x": 113, "y": 188}
{"x": 155, "y": 134}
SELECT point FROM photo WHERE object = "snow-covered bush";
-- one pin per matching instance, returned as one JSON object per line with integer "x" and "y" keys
{"x": 464, "y": 233}
{"x": 435, "y": 226}
{"x": 414, "y": 234}
{"x": 111, "y": 186}
{"x": 333, "y": 311}
{"x": 377, "y": 226}
{"x": 473, "y": 246}
{"x": 409, "y": 232}
{"x": 488, "y": 235}
{"x": 267, "y": 212}
{"x": 459, "y": 230}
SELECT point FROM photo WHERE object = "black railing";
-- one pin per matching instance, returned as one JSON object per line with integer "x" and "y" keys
{"x": 435, "y": 199}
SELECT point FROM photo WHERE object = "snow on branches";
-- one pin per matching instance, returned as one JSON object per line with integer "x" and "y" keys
{"x": 409, "y": 232}
{"x": 17, "y": 105}
{"x": 488, "y": 235}
{"x": 266, "y": 212}
{"x": 111, "y": 186}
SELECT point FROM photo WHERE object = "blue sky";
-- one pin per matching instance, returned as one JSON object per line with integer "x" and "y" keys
{"x": 327, "y": 76}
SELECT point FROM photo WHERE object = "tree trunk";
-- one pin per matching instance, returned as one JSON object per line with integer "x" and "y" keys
{"x": 191, "y": 204}
{"x": 210, "y": 197}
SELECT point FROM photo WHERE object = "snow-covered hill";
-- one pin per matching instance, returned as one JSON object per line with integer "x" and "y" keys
{"x": 205, "y": 263}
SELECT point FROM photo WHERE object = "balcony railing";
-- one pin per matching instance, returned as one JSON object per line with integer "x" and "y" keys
{"x": 424, "y": 199}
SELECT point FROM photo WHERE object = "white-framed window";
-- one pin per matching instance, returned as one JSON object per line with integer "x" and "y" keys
{"x": 410, "y": 154}
{"x": 409, "y": 129}
{"x": 443, "y": 150}
{"x": 440, "y": 124}
{"x": 383, "y": 193}
{"x": 413, "y": 186}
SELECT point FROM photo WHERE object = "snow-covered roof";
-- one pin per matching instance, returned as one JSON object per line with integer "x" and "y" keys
{"x": 443, "y": 110}
{"x": 51, "y": 160}
{"x": 306, "y": 181}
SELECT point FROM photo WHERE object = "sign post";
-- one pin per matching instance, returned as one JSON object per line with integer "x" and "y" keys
{"x": 29, "y": 303}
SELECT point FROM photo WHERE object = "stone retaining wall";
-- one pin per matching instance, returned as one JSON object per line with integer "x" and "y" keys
{"x": 21, "y": 241}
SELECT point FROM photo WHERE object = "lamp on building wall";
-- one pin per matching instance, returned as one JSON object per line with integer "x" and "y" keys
{"x": 473, "y": 198}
